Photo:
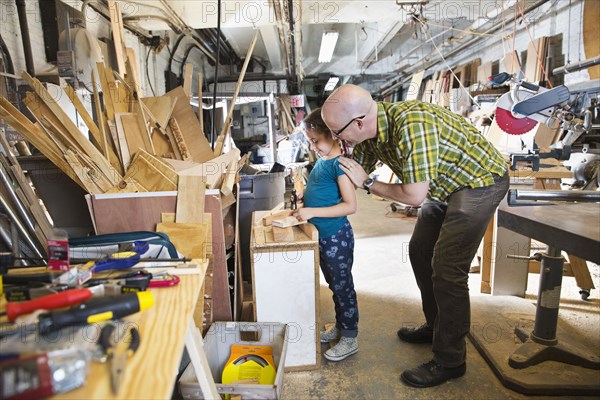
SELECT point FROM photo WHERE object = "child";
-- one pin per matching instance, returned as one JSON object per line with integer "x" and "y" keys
{"x": 329, "y": 197}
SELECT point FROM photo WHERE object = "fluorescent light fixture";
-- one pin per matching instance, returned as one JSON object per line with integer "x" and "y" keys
{"x": 327, "y": 46}
{"x": 330, "y": 85}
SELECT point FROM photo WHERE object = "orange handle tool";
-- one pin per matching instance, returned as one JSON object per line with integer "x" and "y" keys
{"x": 50, "y": 302}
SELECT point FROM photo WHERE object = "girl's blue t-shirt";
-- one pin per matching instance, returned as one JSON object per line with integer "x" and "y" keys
{"x": 322, "y": 190}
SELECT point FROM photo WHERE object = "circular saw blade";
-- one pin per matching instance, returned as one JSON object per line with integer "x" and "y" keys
{"x": 511, "y": 125}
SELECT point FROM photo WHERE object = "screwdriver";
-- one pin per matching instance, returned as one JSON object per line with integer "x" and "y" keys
{"x": 50, "y": 302}
{"x": 89, "y": 312}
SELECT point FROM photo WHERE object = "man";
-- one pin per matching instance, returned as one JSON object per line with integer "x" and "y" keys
{"x": 457, "y": 176}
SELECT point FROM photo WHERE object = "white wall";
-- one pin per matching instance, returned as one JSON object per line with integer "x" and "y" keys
{"x": 100, "y": 27}
{"x": 550, "y": 19}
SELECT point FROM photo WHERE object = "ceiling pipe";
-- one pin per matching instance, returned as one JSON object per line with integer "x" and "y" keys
{"x": 403, "y": 79}
{"x": 22, "y": 12}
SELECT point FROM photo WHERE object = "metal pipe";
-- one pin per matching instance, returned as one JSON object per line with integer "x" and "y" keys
{"x": 22, "y": 11}
{"x": 584, "y": 196}
{"x": 20, "y": 227}
{"x": 13, "y": 196}
{"x": 590, "y": 62}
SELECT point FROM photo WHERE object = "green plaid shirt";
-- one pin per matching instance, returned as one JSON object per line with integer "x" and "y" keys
{"x": 424, "y": 142}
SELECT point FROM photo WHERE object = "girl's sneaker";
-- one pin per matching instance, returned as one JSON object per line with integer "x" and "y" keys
{"x": 330, "y": 335}
{"x": 344, "y": 349}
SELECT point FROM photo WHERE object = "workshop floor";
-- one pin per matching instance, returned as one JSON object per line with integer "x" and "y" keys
{"x": 389, "y": 298}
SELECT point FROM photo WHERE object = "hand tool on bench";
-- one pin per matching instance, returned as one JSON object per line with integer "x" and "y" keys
{"x": 118, "y": 349}
{"x": 91, "y": 311}
{"x": 50, "y": 302}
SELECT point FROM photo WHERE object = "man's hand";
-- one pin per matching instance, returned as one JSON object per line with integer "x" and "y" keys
{"x": 354, "y": 171}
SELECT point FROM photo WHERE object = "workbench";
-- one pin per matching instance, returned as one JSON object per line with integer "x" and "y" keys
{"x": 501, "y": 276}
{"x": 164, "y": 329}
{"x": 575, "y": 229}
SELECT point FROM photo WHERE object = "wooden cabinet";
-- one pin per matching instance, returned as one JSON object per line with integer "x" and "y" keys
{"x": 285, "y": 287}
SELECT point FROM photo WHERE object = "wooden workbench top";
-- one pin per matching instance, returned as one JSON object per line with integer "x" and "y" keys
{"x": 152, "y": 370}
{"x": 549, "y": 168}
{"x": 262, "y": 236}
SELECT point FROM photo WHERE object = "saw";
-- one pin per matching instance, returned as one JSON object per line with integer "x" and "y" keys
{"x": 526, "y": 105}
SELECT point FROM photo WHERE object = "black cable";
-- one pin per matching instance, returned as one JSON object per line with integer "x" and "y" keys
{"x": 148, "y": 71}
{"x": 10, "y": 68}
{"x": 216, "y": 81}
{"x": 179, "y": 39}
{"x": 187, "y": 53}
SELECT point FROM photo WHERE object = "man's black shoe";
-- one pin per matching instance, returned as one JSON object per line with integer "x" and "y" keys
{"x": 422, "y": 334}
{"x": 431, "y": 374}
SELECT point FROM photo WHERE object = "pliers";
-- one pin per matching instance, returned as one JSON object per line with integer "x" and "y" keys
{"x": 118, "y": 347}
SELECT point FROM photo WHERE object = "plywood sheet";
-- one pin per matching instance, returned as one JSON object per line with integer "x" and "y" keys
{"x": 193, "y": 135}
{"x": 190, "y": 199}
{"x": 189, "y": 238}
{"x": 160, "y": 108}
{"x": 130, "y": 213}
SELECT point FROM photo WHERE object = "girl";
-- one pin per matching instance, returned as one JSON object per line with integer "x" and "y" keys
{"x": 329, "y": 197}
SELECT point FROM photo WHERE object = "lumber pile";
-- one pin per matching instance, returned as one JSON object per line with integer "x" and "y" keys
{"x": 22, "y": 206}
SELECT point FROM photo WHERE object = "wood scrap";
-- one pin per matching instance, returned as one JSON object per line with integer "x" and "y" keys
{"x": 191, "y": 131}
{"x": 190, "y": 199}
{"x": 190, "y": 239}
{"x": 177, "y": 139}
{"x": 226, "y": 126}
{"x": 72, "y": 132}
{"x": 229, "y": 179}
{"x": 286, "y": 222}
{"x": 147, "y": 174}
{"x": 187, "y": 79}
{"x": 116, "y": 23}
{"x": 273, "y": 215}
{"x": 159, "y": 109}
{"x": 283, "y": 235}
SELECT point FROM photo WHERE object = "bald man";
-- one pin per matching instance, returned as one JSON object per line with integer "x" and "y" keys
{"x": 457, "y": 177}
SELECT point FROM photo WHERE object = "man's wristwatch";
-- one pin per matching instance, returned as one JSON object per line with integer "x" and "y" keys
{"x": 367, "y": 184}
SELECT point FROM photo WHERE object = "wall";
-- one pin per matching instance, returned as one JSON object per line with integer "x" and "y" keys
{"x": 98, "y": 26}
{"x": 550, "y": 19}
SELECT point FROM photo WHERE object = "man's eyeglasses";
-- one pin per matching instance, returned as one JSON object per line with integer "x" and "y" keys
{"x": 338, "y": 133}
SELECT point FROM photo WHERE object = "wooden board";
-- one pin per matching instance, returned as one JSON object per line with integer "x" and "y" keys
{"x": 283, "y": 235}
{"x": 189, "y": 238}
{"x": 116, "y": 22}
{"x": 188, "y": 72}
{"x": 591, "y": 40}
{"x": 149, "y": 176}
{"x": 221, "y": 299}
{"x": 128, "y": 127}
{"x": 212, "y": 170}
{"x": 160, "y": 109}
{"x": 191, "y": 131}
{"x": 286, "y": 222}
{"x": 128, "y": 213}
{"x": 190, "y": 199}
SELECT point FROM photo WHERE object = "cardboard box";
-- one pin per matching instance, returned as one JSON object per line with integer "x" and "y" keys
{"x": 217, "y": 344}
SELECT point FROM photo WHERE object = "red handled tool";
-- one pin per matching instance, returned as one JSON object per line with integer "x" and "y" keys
{"x": 50, "y": 302}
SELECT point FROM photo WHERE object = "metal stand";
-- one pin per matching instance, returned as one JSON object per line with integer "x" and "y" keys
{"x": 542, "y": 344}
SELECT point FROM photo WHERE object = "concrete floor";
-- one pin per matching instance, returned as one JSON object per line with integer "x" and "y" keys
{"x": 388, "y": 299}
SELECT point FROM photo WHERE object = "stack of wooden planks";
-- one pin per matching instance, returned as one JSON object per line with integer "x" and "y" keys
{"x": 21, "y": 203}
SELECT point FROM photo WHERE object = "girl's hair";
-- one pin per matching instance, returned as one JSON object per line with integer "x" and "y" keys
{"x": 314, "y": 122}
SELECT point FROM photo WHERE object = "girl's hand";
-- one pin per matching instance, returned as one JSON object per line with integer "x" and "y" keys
{"x": 303, "y": 214}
